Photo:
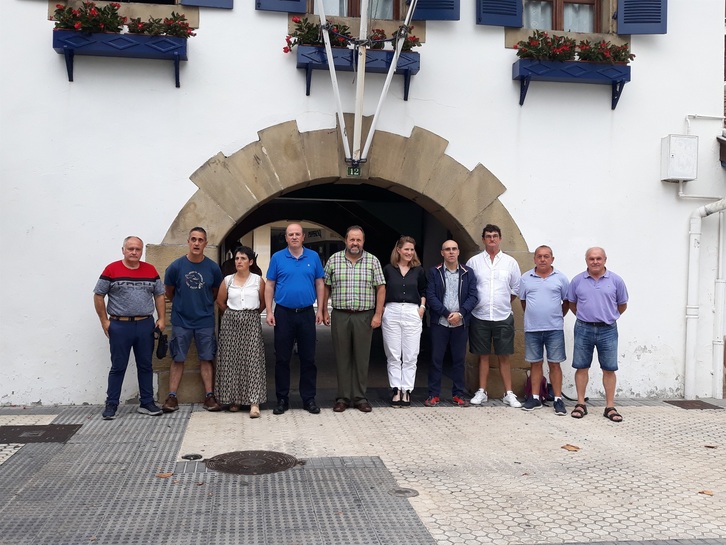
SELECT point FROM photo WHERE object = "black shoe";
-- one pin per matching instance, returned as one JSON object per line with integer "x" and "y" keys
{"x": 312, "y": 407}
{"x": 281, "y": 407}
{"x": 396, "y": 403}
{"x": 406, "y": 398}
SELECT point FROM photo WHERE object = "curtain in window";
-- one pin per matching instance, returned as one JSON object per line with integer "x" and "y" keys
{"x": 579, "y": 18}
{"x": 537, "y": 14}
{"x": 381, "y": 9}
{"x": 336, "y": 8}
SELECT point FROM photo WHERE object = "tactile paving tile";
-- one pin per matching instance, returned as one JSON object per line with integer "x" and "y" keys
{"x": 486, "y": 476}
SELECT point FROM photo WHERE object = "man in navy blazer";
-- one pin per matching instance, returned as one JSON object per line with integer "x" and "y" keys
{"x": 451, "y": 295}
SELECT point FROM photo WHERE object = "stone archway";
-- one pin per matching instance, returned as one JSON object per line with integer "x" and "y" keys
{"x": 284, "y": 160}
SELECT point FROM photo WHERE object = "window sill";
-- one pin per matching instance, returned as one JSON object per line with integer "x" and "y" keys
{"x": 378, "y": 61}
{"x": 615, "y": 75}
{"x": 70, "y": 43}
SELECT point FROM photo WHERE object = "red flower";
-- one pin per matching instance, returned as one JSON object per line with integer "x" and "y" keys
{"x": 286, "y": 50}
{"x": 93, "y": 12}
{"x": 59, "y": 6}
{"x": 296, "y": 19}
{"x": 77, "y": 25}
{"x": 115, "y": 5}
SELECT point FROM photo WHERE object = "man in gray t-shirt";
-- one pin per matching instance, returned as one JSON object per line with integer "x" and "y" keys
{"x": 134, "y": 290}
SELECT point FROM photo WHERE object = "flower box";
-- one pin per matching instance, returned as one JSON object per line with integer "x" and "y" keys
{"x": 526, "y": 70}
{"x": 136, "y": 46}
{"x": 378, "y": 61}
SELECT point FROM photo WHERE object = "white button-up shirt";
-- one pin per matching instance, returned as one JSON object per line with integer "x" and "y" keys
{"x": 497, "y": 281}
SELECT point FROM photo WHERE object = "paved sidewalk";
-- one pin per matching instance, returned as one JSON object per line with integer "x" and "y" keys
{"x": 489, "y": 475}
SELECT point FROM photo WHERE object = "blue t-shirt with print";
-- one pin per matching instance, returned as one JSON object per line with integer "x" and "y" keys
{"x": 193, "y": 304}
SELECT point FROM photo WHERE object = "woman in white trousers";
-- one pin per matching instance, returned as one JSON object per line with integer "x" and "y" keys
{"x": 402, "y": 318}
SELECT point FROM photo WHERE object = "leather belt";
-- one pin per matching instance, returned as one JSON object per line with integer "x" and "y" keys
{"x": 128, "y": 318}
{"x": 296, "y": 310}
{"x": 596, "y": 324}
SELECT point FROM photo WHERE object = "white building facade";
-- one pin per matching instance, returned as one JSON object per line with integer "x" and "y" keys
{"x": 122, "y": 151}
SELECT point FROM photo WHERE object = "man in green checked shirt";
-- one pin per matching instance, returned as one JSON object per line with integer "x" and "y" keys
{"x": 355, "y": 285}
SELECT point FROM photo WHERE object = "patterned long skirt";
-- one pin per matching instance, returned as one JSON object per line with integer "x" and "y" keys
{"x": 240, "y": 376}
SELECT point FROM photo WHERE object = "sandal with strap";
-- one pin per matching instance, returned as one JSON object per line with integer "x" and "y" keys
{"x": 612, "y": 414}
{"x": 579, "y": 411}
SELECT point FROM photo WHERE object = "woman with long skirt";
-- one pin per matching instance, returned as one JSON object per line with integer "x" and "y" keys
{"x": 402, "y": 318}
{"x": 240, "y": 377}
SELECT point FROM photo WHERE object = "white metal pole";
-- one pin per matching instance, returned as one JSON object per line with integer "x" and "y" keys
{"x": 389, "y": 78}
{"x": 360, "y": 82}
{"x": 334, "y": 81}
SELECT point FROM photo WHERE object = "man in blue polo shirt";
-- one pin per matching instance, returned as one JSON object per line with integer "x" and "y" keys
{"x": 543, "y": 293}
{"x": 295, "y": 282}
{"x": 598, "y": 297}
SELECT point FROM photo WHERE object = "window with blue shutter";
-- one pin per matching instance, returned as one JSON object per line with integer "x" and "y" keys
{"x": 293, "y": 6}
{"x": 642, "y": 16}
{"x": 437, "y": 10}
{"x": 224, "y": 4}
{"x": 499, "y": 12}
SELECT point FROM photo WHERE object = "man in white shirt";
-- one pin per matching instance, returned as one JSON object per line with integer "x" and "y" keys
{"x": 492, "y": 321}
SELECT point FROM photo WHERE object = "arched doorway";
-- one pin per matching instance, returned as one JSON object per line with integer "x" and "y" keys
{"x": 406, "y": 182}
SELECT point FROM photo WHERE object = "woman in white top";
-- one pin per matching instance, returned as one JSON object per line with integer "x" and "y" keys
{"x": 240, "y": 377}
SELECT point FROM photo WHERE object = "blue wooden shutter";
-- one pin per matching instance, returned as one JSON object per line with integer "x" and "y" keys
{"x": 499, "y": 13}
{"x": 642, "y": 16}
{"x": 293, "y": 6}
{"x": 437, "y": 10}
{"x": 225, "y": 4}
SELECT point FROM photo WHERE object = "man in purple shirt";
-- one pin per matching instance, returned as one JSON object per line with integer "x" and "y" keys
{"x": 597, "y": 297}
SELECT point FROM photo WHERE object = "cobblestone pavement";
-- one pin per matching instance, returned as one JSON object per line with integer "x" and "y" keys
{"x": 489, "y": 475}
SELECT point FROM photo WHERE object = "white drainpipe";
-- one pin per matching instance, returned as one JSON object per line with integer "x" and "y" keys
{"x": 694, "y": 241}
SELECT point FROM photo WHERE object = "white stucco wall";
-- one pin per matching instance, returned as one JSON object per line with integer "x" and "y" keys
{"x": 84, "y": 164}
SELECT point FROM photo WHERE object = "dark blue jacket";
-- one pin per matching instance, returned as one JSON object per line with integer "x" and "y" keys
{"x": 435, "y": 291}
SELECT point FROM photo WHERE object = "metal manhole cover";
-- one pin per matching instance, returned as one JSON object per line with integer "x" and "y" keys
{"x": 692, "y": 404}
{"x": 53, "y": 433}
{"x": 251, "y": 462}
{"x": 403, "y": 492}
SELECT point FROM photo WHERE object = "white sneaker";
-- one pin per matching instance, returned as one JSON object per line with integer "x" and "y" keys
{"x": 511, "y": 400}
{"x": 479, "y": 397}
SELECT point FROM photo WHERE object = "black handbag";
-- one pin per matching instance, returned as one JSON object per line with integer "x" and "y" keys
{"x": 163, "y": 346}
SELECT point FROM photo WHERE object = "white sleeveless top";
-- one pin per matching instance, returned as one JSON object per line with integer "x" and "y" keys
{"x": 245, "y": 297}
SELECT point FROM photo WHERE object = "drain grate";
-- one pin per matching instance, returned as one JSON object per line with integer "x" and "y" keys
{"x": 53, "y": 433}
{"x": 252, "y": 462}
{"x": 692, "y": 404}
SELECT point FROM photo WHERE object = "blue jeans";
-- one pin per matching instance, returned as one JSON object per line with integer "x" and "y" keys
{"x": 291, "y": 326}
{"x": 443, "y": 337}
{"x": 123, "y": 336}
{"x": 587, "y": 338}
{"x": 536, "y": 342}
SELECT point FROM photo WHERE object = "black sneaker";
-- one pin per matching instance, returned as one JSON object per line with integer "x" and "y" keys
{"x": 531, "y": 404}
{"x": 109, "y": 413}
{"x": 149, "y": 408}
{"x": 560, "y": 407}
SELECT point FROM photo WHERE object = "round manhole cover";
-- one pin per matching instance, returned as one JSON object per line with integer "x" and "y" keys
{"x": 251, "y": 462}
{"x": 403, "y": 492}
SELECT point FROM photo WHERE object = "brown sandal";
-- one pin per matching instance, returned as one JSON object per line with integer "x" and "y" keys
{"x": 612, "y": 414}
{"x": 579, "y": 411}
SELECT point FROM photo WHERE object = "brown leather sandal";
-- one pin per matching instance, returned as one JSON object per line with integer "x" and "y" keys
{"x": 579, "y": 411}
{"x": 612, "y": 414}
